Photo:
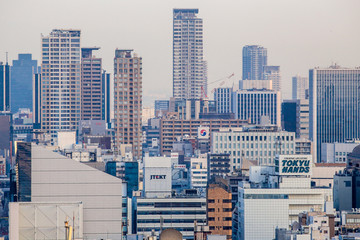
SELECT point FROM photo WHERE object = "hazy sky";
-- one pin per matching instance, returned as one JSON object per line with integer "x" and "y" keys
{"x": 299, "y": 35}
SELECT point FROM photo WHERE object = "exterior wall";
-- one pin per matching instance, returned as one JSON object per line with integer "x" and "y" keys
{"x": 302, "y": 119}
{"x": 44, "y": 220}
{"x": 171, "y": 129}
{"x": 258, "y": 84}
{"x": 219, "y": 211}
{"x": 300, "y": 87}
{"x": 334, "y": 109}
{"x": 198, "y": 173}
{"x": 60, "y": 81}
{"x": 261, "y": 146}
{"x": 128, "y": 100}
{"x": 223, "y": 97}
{"x": 323, "y": 173}
{"x": 189, "y": 69}
{"x": 336, "y": 152}
{"x": 91, "y": 85}
{"x": 56, "y": 178}
{"x": 343, "y": 192}
{"x": 253, "y": 104}
{"x": 5, "y": 86}
{"x": 177, "y": 213}
{"x": 273, "y": 73}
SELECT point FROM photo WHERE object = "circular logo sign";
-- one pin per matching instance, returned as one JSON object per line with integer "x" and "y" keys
{"x": 203, "y": 132}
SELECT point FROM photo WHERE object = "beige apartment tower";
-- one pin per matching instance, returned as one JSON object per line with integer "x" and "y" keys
{"x": 128, "y": 100}
{"x": 60, "y": 81}
{"x": 91, "y": 85}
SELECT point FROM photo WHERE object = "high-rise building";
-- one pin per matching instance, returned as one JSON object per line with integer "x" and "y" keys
{"x": 223, "y": 97}
{"x": 189, "y": 68}
{"x": 106, "y": 105}
{"x": 4, "y": 87}
{"x": 334, "y": 105}
{"x": 22, "y": 71}
{"x": 128, "y": 100}
{"x": 273, "y": 73}
{"x": 254, "y": 60}
{"x": 36, "y": 100}
{"x": 257, "y": 105}
{"x": 60, "y": 81}
{"x": 295, "y": 117}
{"x": 300, "y": 87}
{"x": 91, "y": 85}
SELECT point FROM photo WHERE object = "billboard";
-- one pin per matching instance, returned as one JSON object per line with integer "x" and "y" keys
{"x": 203, "y": 133}
{"x": 295, "y": 165}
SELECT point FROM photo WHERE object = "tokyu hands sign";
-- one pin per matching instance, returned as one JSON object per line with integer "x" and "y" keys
{"x": 295, "y": 164}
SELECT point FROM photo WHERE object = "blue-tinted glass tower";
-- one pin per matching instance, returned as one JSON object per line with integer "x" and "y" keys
{"x": 4, "y": 87}
{"x": 22, "y": 71}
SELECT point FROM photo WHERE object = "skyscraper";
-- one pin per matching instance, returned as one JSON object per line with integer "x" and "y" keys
{"x": 22, "y": 71}
{"x": 91, "y": 86}
{"x": 128, "y": 100}
{"x": 60, "y": 81}
{"x": 4, "y": 87}
{"x": 105, "y": 96}
{"x": 273, "y": 73}
{"x": 189, "y": 68}
{"x": 300, "y": 87}
{"x": 254, "y": 60}
{"x": 334, "y": 105}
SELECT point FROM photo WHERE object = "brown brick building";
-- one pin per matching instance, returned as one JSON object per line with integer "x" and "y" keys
{"x": 219, "y": 213}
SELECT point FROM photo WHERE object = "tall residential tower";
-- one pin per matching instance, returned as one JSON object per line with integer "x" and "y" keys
{"x": 254, "y": 60}
{"x": 60, "y": 81}
{"x": 189, "y": 68}
{"x": 128, "y": 100}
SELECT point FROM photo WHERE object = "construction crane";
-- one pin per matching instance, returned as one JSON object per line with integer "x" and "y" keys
{"x": 203, "y": 93}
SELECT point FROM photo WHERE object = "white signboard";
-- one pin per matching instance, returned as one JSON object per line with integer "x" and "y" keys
{"x": 295, "y": 165}
{"x": 203, "y": 133}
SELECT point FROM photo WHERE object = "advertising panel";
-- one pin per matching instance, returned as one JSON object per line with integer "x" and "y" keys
{"x": 295, "y": 164}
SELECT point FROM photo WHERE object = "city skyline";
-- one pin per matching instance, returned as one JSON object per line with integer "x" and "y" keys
{"x": 296, "y": 38}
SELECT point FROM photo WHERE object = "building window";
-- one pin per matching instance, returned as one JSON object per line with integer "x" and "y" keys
{"x": 347, "y": 183}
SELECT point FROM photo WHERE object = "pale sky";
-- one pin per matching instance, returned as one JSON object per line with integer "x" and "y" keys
{"x": 299, "y": 34}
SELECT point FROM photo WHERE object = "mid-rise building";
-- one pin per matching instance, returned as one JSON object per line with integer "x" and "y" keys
{"x": 261, "y": 144}
{"x": 4, "y": 87}
{"x": 273, "y": 73}
{"x": 334, "y": 109}
{"x": 258, "y": 84}
{"x": 60, "y": 81}
{"x": 300, "y": 87}
{"x": 223, "y": 100}
{"x": 172, "y": 128}
{"x": 128, "y": 100}
{"x": 218, "y": 164}
{"x": 22, "y": 71}
{"x": 219, "y": 208}
{"x": 198, "y": 173}
{"x": 337, "y": 152}
{"x": 180, "y": 213}
{"x": 161, "y": 107}
{"x": 295, "y": 117}
{"x": 91, "y": 85}
{"x": 189, "y": 68}
{"x": 254, "y": 60}
{"x": 254, "y": 105}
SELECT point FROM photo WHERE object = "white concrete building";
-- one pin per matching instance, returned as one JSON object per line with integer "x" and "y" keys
{"x": 45, "y": 176}
{"x": 255, "y": 84}
{"x": 337, "y": 152}
{"x": 198, "y": 173}
{"x": 256, "y": 143}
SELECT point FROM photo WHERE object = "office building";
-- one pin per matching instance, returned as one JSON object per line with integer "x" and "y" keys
{"x": 180, "y": 213}
{"x": 172, "y": 128}
{"x": 36, "y": 101}
{"x": 223, "y": 100}
{"x": 323, "y": 173}
{"x": 300, "y": 87}
{"x": 60, "y": 81}
{"x": 128, "y": 100}
{"x": 257, "y": 143}
{"x": 271, "y": 203}
{"x": 4, "y": 87}
{"x": 295, "y": 117}
{"x": 189, "y": 68}
{"x": 161, "y": 107}
{"x": 106, "y": 93}
{"x": 22, "y": 71}
{"x": 198, "y": 173}
{"x": 337, "y": 152}
{"x": 334, "y": 110}
{"x": 45, "y": 176}
{"x": 254, "y": 105}
{"x": 303, "y": 146}
{"x": 91, "y": 85}
{"x": 273, "y": 73}
{"x": 254, "y": 60}
{"x": 219, "y": 209}
{"x": 127, "y": 171}
{"x": 191, "y": 108}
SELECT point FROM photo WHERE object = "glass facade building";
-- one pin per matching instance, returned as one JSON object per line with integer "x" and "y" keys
{"x": 254, "y": 60}
{"x": 4, "y": 87}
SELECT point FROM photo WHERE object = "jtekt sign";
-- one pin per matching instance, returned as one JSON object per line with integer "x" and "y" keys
{"x": 295, "y": 164}
{"x": 157, "y": 177}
